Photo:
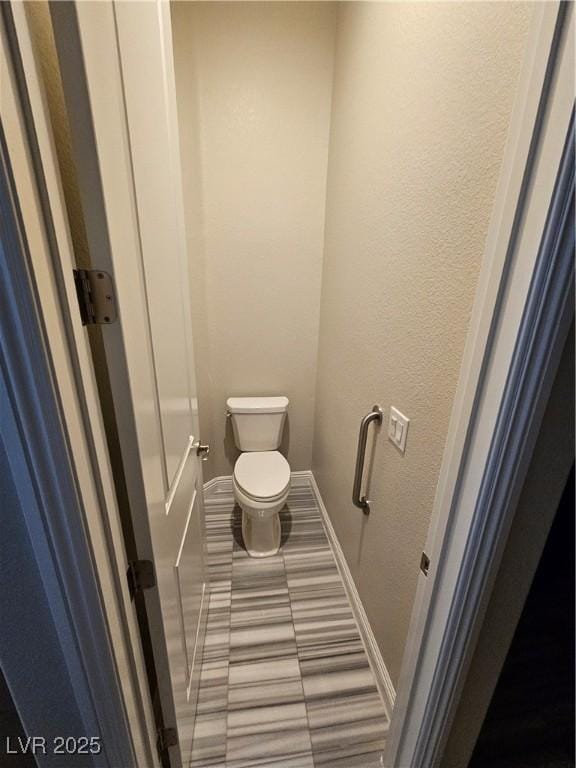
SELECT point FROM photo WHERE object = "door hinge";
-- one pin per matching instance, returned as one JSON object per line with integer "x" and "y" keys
{"x": 424, "y": 563}
{"x": 95, "y": 291}
{"x": 167, "y": 737}
{"x": 140, "y": 576}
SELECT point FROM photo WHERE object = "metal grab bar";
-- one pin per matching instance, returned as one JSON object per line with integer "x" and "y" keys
{"x": 361, "y": 501}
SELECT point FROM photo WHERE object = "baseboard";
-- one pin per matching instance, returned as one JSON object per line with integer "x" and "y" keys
{"x": 301, "y": 473}
{"x": 383, "y": 680}
{"x": 381, "y": 674}
{"x": 215, "y": 480}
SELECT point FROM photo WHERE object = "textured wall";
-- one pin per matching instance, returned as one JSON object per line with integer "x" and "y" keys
{"x": 421, "y": 105}
{"x": 254, "y": 88}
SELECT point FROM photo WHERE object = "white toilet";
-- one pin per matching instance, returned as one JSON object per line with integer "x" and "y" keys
{"x": 261, "y": 474}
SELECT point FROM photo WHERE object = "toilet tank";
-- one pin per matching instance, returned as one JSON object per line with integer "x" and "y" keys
{"x": 257, "y": 421}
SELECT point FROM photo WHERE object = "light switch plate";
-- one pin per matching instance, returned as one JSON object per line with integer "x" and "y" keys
{"x": 398, "y": 428}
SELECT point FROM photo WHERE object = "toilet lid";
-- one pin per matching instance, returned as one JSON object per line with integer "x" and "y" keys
{"x": 262, "y": 474}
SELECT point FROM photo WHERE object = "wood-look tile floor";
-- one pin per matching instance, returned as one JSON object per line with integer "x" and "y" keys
{"x": 285, "y": 680}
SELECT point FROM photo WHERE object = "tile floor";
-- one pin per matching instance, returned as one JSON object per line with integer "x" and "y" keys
{"x": 285, "y": 680}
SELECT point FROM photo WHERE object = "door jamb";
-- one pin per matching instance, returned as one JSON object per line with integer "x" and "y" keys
{"x": 68, "y": 346}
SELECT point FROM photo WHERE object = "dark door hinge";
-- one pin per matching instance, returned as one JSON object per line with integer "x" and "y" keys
{"x": 140, "y": 576}
{"x": 424, "y": 563}
{"x": 95, "y": 291}
{"x": 167, "y": 737}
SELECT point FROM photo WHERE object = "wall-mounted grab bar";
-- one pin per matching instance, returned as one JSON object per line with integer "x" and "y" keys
{"x": 361, "y": 501}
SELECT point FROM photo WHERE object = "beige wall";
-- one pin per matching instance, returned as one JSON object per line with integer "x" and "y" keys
{"x": 369, "y": 135}
{"x": 254, "y": 88}
{"x": 421, "y": 103}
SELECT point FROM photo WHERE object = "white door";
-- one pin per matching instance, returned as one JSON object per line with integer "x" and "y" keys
{"x": 117, "y": 68}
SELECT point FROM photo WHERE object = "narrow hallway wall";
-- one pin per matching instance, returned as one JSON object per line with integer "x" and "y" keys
{"x": 421, "y": 105}
{"x": 254, "y": 84}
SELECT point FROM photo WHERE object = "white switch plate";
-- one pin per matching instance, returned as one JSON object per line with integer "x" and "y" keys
{"x": 398, "y": 428}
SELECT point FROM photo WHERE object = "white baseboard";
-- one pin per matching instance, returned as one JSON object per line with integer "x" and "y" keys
{"x": 215, "y": 480}
{"x": 381, "y": 674}
{"x": 383, "y": 679}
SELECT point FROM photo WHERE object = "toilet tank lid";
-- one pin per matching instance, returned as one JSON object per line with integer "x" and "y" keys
{"x": 257, "y": 404}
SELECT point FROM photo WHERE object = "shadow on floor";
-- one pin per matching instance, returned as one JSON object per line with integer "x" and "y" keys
{"x": 286, "y": 523}
{"x": 236, "y": 526}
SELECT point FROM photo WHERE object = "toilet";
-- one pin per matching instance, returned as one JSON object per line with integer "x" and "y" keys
{"x": 261, "y": 477}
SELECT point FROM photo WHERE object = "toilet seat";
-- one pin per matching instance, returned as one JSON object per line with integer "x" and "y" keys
{"x": 262, "y": 475}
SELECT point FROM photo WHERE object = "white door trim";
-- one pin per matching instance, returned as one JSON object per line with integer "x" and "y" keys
{"x": 521, "y": 315}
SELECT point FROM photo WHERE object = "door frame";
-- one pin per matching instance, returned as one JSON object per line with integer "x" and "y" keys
{"x": 78, "y": 542}
{"x": 45, "y": 223}
{"x": 523, "y": 309}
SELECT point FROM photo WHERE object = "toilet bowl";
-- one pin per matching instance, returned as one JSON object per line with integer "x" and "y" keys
{"x": 261, "y": 484}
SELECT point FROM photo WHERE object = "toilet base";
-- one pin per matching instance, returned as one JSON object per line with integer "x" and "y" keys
{"x": 261, "y": 535}
{"x": 261, "y": 528}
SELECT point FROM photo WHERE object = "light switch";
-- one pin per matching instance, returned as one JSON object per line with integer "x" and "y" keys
{"x": 398, "y": 428}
